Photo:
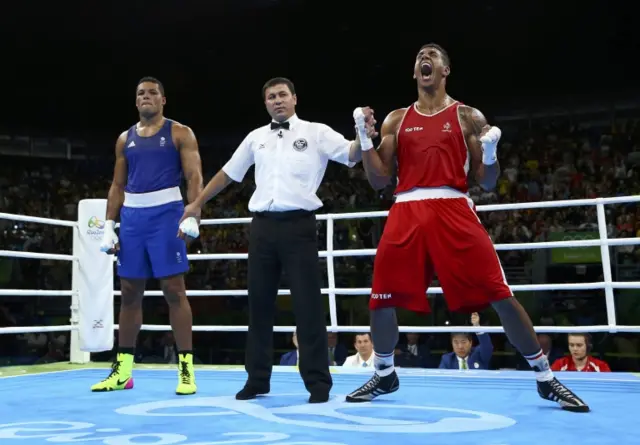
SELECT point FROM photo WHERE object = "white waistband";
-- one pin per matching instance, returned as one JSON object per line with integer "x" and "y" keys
{"x": 418, "y": 194}
{"x": 152, "y": 199}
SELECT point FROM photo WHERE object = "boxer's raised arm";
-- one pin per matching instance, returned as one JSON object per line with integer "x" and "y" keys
{"x": 380, "y": 164}
{"x": 484, "y": 164}
{"x": 115, "y": 198}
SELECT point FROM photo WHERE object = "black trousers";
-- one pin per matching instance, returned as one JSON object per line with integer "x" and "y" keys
{"x": 286, "y": 241}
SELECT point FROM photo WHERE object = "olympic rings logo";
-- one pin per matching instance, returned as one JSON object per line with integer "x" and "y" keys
{"x": 334, "y": 409}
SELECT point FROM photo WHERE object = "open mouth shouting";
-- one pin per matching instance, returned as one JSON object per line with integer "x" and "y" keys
{"x": 426, "y": 70}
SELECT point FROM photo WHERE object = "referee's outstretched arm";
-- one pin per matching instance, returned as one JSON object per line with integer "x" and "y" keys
{"x": 217, "y": 184}
{"x": 237, "y": 167}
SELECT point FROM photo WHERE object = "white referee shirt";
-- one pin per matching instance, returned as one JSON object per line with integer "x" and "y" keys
{"x": 290, "y": 164}
{"x": 356, "y": 361}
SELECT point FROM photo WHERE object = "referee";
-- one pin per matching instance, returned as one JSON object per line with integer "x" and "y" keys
{"x": 290, "y": 157}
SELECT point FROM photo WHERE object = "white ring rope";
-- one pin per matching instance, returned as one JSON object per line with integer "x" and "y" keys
{"x": 36, "y": 256}
{"x": 36, "y": 219}
{"x": 604, "y": 242}
{"x": 336, "y": 291}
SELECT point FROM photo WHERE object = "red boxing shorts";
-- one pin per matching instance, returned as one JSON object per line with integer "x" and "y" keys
{"x": 441, "y": 236}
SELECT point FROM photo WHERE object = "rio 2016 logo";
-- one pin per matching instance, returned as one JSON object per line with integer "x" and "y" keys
{"x": 95, "y": 223}
{"x": 350, "y": 426}
{"x": 95, "y": 228}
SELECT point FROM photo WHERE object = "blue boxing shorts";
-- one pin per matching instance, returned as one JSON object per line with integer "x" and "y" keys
{"x": 149, "y": 243}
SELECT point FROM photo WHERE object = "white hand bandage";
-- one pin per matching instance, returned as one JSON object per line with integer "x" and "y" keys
{"x": 490, "y": 145}
{"x": 109, "y": 239}
{"x": 365, "y": 141}
{"x": 190, "y": 227}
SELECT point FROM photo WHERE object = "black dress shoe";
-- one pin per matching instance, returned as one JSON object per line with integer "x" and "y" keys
{"x": 320, "y": 397}
{"x": 251, "y": 392}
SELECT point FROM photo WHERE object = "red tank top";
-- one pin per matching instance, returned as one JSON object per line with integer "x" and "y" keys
{"x": 432, "y": 151}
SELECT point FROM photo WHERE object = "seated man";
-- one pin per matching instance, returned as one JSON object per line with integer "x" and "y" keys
{"x": 337, "y": 351}
{"x": 580, "y": 346}
{"x": 364, "y": 357}
{"x": 413, "y": 354}
{"x": 464, "y": 355}
{"x": 291, "y": 358}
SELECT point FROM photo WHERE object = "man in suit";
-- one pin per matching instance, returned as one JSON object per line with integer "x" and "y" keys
{"x": 336, "y": 352}
{"x": 413, "y": 354}
{"x": 291, "y": 357}
{"x": 464, "y": 355}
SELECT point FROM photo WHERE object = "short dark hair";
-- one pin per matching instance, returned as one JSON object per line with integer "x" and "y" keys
{"x": 152, "y": 80}
{"x": 278, "y": 81}
{"x": 445, "y": 54}
{"x": 466, "y": 335}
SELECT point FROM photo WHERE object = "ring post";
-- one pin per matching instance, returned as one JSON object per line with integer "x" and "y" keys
{"x": 606, "y": 265}
{"x": 92, "y": 281}
{"x": 331, "y": 277}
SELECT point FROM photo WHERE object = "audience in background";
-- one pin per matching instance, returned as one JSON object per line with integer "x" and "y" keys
{"x": 554, "y": 160}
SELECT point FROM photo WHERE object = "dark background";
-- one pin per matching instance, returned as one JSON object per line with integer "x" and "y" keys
{"x": 72, "y": 68}
{"x": 68, "y": 73}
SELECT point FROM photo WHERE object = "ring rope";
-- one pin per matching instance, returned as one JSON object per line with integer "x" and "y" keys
{"x": 608, "y": 285}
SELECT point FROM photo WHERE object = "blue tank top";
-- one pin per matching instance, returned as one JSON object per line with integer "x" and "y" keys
{"x": 153, "y": 162}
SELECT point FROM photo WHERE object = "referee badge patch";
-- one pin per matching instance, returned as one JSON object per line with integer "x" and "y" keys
{"x": 300, "y": 144}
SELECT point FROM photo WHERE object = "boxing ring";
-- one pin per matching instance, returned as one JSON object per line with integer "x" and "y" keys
{"x": 53, "y": 404}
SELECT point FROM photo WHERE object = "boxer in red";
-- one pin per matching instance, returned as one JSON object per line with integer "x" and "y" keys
{"x": 436, "y": 144}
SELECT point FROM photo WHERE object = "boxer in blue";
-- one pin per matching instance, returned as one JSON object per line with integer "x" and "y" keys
{"x": 151, "y": 159}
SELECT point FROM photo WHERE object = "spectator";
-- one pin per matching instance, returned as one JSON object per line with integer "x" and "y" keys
{"x": 580, "y": 346}
{"x": 291, "y": 358}
{"x": 412, "y": 354}
{"x": 464, "y": 355}
{"x": 364, "y": 357}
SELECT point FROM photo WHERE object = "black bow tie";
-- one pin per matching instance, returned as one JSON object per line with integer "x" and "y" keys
{"x": 276, "y": 125}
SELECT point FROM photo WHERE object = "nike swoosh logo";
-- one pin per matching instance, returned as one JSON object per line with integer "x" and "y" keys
{"x": 122, "y": 382}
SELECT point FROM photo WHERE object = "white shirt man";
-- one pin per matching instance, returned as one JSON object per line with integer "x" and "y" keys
{"x": 290, "y": 157}
{"x": 290, "y": 163}
{"x": 364, "y": 357}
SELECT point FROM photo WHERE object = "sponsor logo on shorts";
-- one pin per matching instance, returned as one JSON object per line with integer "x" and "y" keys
{"x": 381, "y": 296}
